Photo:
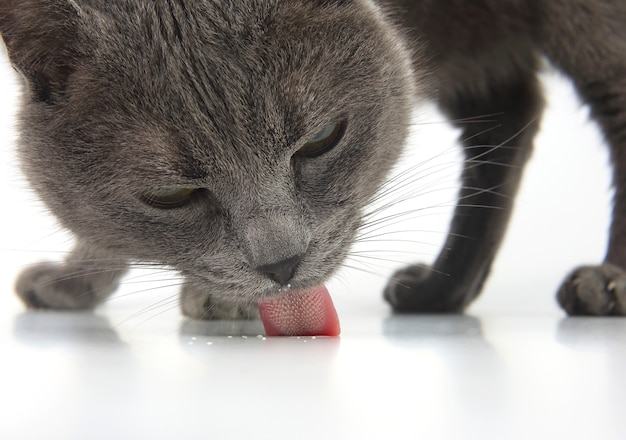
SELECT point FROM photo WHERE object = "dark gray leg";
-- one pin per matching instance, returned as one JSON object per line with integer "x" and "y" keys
{"x": 86, "y": 279}
{"x": 593, "y": 55}
{"x": 495, "y": 154}
{"x": 601, "y": 290}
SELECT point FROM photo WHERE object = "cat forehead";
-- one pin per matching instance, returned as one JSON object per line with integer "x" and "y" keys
{"x": 240, "y": 27}
{"x": 246, "y": 72}
{"x": 210, "y": 81}
{"x": 233, "y": 41}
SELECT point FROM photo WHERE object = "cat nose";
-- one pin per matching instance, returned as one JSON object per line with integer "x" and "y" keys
{"x": 283, "y": 271}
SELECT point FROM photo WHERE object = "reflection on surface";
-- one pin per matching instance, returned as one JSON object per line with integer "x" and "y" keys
{"x": 400, "y": 376}
{"x": 190, "y": 327}
{"x": 458, "y": 377}
{"x": 58, "y": 327}
{"x": 592, "y": 333}
{"x": 603, "y": 339}
{"x": 411, "y": 328}
{"x": 67, "y": 372}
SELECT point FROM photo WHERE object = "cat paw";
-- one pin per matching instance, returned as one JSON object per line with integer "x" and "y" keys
{"x": 208, "y": 307}
{"x": 57, "y": 286}
{"x": 594, "y": 290}
{"x": 419, "y": 289}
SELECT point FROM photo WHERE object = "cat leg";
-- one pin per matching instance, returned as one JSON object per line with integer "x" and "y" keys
{"x": 196, "y": 303}
{"x": 592, "y": 54}
{"x": 495, "y": 153}
{"x": 601, "y": 290}
{"x": 85, "y": 279}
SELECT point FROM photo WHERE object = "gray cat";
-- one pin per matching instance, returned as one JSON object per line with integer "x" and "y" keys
{"x": 239, "y": 141}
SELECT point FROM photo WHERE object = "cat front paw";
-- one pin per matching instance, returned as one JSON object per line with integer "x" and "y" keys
{"x": 58, "y": 286}
{"x": 594, "y": 290}
{"x": 420, "y": 289}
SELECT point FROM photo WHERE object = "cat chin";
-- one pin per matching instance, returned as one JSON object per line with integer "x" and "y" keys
{"x": 252, "y": 294}
{"x": 206, "y": 301}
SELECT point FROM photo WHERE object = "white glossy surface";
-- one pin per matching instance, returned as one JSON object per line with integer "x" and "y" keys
{"x": 514, "y": 368}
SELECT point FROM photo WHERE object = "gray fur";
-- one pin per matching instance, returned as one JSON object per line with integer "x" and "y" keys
{"x": 123, "y": 96}
{"x": 211, "y": 94}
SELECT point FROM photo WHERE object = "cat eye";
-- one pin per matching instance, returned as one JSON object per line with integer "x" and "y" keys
{"x": 326, "y": 139}
{"x": 168, "y": 198}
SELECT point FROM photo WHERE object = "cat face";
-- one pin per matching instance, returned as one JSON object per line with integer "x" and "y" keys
{"x": 213, "y": 137}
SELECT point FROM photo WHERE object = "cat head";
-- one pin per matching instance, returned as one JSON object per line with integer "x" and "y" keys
{"x": 216, "y": 137}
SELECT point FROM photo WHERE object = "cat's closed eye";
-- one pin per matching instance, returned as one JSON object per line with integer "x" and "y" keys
{"x": 169, "y": 197}
{"x": 324, "y": 140}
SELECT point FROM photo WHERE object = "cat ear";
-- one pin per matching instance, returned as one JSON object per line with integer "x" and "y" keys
{"x": 41, "y": 40}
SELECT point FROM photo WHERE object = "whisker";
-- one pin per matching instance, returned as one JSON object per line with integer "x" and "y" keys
{"x": 165, "y": 301}
{"x": 77, "y": 275}
{"x": 386, "y": 260}
{"x": 413, "y": 214}
{"x": 373, "y": 273}
{"x": 179, "y": 283}
{"x": 480, "y": 133}
{"x": 397, "y": 241}
{"x": 367, "y": 236}
{"x": 171, "y": 302}
{"x": 468, "y": 120}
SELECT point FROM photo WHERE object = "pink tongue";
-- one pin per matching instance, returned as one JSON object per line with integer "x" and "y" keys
{"x": 300, "y": 313}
